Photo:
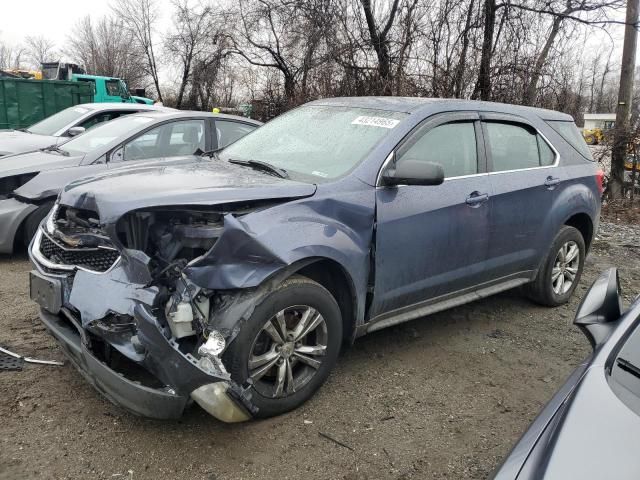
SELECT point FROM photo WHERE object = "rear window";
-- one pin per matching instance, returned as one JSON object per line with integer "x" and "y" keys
{"x": 572, "y": 135}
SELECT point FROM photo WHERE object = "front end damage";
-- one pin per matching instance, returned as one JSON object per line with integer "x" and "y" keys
{"x": 121, "y": 302}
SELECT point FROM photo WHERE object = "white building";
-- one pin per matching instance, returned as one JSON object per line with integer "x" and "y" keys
{"x": 604, "y": 121}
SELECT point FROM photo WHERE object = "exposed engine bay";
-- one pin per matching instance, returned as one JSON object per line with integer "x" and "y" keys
{"x": 141, "y": 262}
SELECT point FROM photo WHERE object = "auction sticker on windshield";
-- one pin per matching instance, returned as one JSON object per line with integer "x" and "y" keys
{"x": 375, "y": 121}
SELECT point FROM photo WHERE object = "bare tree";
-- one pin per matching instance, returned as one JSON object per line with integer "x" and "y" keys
{"x": 139, "y": 18}
{"x": 197, "y": 31}
{"x": 105, "y": 48}
{"x": 40, "y": 49}
{"x": 379, "y": 38}
{"x": 285, "y": 36}
{"x": 569, "y": 10}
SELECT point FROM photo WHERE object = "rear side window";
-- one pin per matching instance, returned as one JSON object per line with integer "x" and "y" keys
{"x": 515, "y": 147}
{"x": 452, "y": 145}
{"x": 572, "y": 135}
{"x": 229, "y": 132}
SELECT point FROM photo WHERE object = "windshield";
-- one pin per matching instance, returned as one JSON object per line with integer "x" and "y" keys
{"x": 104, "y": 134}
{"x": 318, "y": 142}
{"x": 52, "y": 124}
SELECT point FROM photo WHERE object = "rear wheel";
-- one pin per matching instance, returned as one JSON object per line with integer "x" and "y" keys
{"x": 288, "y": 346}
{"x": 561, "y": 271}
{"x": 33, "y": 221}
{"x": 590, "y": 139}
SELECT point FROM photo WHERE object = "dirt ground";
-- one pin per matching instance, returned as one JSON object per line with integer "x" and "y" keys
{"x": 441, "y": 397}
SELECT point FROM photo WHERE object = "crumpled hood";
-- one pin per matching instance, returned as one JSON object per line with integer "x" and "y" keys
{"x": 201, "y": 182}
{"x": 35, "y": 162}
{"x": 15, "y": 141}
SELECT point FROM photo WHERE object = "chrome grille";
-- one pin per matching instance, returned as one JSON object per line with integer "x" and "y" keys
{"x": 96, "y": 259}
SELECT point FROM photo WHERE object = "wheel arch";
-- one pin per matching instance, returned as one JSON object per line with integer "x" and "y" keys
{"x": 335, "y": 278}
{"x": 583, "y": 223}
{"x": 237, "y": 305}
{"x": 19, "y": 239}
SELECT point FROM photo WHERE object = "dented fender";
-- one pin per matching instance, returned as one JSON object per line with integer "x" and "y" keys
{"x": 259, "y": 250}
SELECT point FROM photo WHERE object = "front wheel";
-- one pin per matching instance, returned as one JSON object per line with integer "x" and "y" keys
{"x": 288, "y": 346}
{"x": 560, "y": 273}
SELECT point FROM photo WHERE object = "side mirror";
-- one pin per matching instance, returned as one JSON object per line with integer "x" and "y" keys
{"x": 73, "y": 131}
{"x": 601, "y": 308}
{"x": 413, "y": 172}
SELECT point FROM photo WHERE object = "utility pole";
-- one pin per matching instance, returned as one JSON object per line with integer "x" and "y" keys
{"x": 623, "y": 111}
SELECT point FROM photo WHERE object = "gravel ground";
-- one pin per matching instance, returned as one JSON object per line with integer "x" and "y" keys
{"x": 441, "y": 397}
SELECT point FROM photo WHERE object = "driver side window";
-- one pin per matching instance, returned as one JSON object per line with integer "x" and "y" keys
{"x": 452, "y": 145}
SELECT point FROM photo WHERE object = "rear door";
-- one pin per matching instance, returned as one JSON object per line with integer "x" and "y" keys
{"x": 433, "y": 240}
{"x": 525, "y": 176}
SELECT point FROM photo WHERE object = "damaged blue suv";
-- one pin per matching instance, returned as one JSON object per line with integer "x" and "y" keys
{"x": 234, "y": 283}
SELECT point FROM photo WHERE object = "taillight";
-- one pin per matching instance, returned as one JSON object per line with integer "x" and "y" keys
{"x": 600, "y": 181}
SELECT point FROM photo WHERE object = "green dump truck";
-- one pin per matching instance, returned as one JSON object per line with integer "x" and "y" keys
{"x": 24, "y": 102}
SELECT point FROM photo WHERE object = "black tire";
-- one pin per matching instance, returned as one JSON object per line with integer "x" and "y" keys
{"x": 590, "y": 139}
{"x": 293, "y": 292}
{"x": 33, "y": 221}
{"x": 541, "y": 290}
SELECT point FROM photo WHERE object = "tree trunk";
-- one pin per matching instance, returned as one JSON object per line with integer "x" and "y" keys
{"x": 460, "y": 68}
{"x": 183, "y": 81}
{"x": 289, "y": 90}
{"x": 625, "y": 94}
{"x": 483, "y": 85}
{"x": 532, "y": 86}
{"x": 380, "y": 44}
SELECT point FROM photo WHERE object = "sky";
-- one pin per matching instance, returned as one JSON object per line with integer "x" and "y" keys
{"x": 51, "y": 19}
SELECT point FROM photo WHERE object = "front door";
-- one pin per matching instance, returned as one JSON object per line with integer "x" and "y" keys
{"x": 433, "y": 240}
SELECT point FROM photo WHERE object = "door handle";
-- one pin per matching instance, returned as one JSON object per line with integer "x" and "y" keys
{"x": 551, "y": 182}
{"x": 476, "y": 198}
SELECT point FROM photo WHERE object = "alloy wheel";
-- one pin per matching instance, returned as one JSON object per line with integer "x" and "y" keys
{"x": 565, "y": 267}
{"x": 288, "y": 351}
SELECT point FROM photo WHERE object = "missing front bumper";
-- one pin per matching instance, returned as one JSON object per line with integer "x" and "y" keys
{"x": 132, "y": 396}
{"x": 184, "y": 379}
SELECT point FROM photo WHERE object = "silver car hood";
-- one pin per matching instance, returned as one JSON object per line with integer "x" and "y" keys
{"x": 37, "y": 161}
{"x": 15, "y": 141}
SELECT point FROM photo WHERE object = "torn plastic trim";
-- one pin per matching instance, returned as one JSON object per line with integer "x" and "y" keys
{"x": 184, "y": 371}
{"x": 231, "y": 309}
{"x": 162, "y": 356}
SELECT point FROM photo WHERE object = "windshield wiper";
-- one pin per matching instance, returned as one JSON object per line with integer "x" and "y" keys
{"x": 627, "y": 366}
{"x": 55, "y": 148}
{"x": 260, "y": 165}
{"x": 23, "y": 130}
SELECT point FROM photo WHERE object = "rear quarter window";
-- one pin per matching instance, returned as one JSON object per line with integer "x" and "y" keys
{"x": 570, "y": 133}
